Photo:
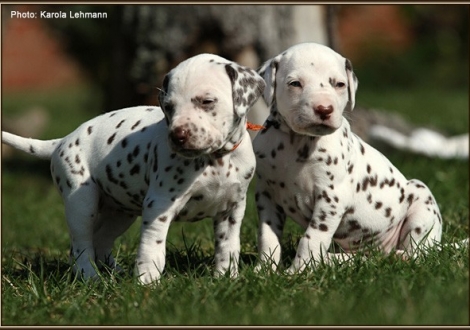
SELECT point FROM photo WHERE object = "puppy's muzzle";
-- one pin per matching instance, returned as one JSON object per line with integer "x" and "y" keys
{"x": 182, "y": 142}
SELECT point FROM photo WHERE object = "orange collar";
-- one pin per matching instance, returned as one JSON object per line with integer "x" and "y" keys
{"x": 254, "y": 127}
{"x": 251, "y": 127}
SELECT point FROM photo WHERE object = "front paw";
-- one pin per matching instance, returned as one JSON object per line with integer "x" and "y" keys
{"x": 296, "y": 267}
{"x": 85, "y": 271}
{"x": 147, "y": 273}
{"x": 266, "y": 266}
{"x": 232, "y": 271}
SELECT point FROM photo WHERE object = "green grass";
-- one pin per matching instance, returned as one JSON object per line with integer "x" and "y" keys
{"x": 39, "y": 289}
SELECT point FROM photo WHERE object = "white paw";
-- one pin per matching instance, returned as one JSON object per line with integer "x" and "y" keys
{"x": 295, "y": 268}
{"x": 222, "y": 272}
{"x": 147, "y": 273}
{"x": 265, "y": 266}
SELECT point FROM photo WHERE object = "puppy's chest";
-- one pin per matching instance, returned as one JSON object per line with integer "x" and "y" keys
{"x": 210, "y": 201}
{"x": 296, "y": 170}
{"x": 216, "y": 189}
{"x": 341, "y": 176}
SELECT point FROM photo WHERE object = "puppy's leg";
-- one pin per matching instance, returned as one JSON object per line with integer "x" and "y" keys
{"x": 158, "y": 213}
{"x": 81, "y": 210}
{"x": 152, "y": 248}
{"x": 227, "y": 240}
{"x": 422, "y": 227}
{"x": 313, "y": 245}
{"x": 112, "y": 225}
{"x": 271, "y": 225}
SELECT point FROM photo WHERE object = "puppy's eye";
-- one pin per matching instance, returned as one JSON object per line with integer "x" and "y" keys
{"x": 340, "y": 84}
{"x": 207, "y": 101}
{"x": 295, "y": 83}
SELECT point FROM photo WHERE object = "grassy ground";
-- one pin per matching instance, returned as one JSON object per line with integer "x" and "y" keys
{"x": 38, "y": 288}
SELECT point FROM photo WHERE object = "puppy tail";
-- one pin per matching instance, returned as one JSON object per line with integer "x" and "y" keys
{"x": 39, "y": 148}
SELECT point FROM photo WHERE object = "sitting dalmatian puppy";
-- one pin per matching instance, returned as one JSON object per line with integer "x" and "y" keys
{"x": 191, "y": 161}
{"x": 313, "y": 169}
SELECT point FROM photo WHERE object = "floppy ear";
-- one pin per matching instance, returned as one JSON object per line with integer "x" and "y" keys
{"x": 352, "y": 85}
{"x": 247, "y": 86}
{"x": 268, "y": 72}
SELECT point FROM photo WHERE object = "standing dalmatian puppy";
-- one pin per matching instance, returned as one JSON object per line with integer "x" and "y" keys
{"x": 313, "y": 169}
{"x": 191, "y": 161}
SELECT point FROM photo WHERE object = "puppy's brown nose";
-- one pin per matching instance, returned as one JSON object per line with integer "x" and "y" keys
{"x": 323, "y": 111}
{"x": 179, "y": 135}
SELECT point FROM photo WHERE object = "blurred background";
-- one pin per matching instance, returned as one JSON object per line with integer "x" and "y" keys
{"x": 127, "y": 53}
{"x": 120, "y": 61}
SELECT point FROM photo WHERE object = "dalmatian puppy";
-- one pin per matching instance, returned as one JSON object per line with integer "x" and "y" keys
{"x": 313, "y": 169}
{"x": 191, "y": 161}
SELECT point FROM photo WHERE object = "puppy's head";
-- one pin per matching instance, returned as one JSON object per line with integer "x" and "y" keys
{"x": 310, "y": 86}
{"x": 205, "y": 100}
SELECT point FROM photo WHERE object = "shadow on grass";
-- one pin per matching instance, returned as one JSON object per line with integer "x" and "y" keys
{"x": 189, "y": 261}
{"x": 21, "y": 264}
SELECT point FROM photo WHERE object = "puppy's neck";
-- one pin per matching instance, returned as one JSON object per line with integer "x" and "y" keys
{"x": 234, "y": 140}
{"x": 277, "y": 121}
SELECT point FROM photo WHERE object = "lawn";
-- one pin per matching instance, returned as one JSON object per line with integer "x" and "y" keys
{"x": 39, "y": 289}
